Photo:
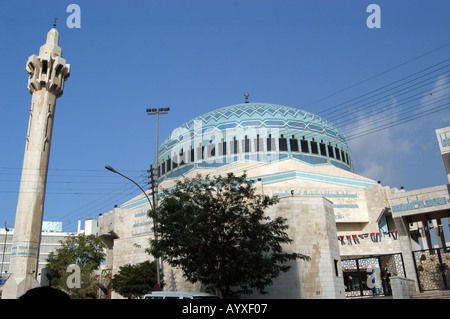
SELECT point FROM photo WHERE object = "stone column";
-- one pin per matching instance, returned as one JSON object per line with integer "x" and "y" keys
{"x": 405, "y": 243}
{"x": 47, "y": 74}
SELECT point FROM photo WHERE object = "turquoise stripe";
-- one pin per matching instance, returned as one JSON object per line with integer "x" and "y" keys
{"x": 136, "y": 203}
{"x": 315, "y": 177}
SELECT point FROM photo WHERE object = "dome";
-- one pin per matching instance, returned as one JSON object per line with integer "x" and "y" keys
{"x": 260, "y": 132}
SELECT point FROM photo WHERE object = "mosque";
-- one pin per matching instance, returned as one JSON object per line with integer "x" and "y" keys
{"x": 363, "y": 240}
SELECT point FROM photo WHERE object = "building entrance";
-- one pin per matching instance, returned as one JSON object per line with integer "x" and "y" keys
{"x": 370, "y": 277}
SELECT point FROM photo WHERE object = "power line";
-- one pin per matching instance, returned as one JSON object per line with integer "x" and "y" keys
{"x": 401, "y": 121}
{"x": 67, "y": 169}
{"x": 345, "y": 112}
{"x": 383, "y": 109}
{"x": 383, "y": 119}
{"x": 389, "y": 96}
{"x": 377, "y": 75}
{"x": 392, "y": 83}
{"x": 93, "y": 209}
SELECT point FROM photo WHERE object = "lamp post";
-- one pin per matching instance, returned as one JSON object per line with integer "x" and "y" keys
{"x": 114, "y": 171}
{"x": 151, "y": 206}
{"x": 156, "y": 112}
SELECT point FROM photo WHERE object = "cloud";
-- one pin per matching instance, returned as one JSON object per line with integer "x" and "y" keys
{"x": 376, "y": 154}
{"x": 436, "y": 99}
{"x": 394, "y": 151}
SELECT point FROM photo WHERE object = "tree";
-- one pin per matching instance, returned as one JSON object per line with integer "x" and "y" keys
{"x": 215, "y": 230}
{"x": 134, "y": 281}
{"x": 104, "y": 283}
{"x": 85, "y": 251}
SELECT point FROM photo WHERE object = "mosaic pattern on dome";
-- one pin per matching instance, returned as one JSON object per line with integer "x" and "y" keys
{"x": 251, "y": 115}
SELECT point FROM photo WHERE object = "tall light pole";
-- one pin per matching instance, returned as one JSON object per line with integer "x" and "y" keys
{"x": 156, "y": 112}
{"x": 109, "y": 168}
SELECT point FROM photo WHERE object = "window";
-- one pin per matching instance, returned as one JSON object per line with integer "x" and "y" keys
{"x": 338, "y": 154}
{"x": 294, "y": 144}
{"x": 282, "y": 143}
{"x": 175, "y": 161}
{"x": 314, "y": 149}
{"x": 323, "y": 150}
{"x": 58, "y": 69}
{"x": 330, "y": 151}
{"x": 234, "y": 146}
{"x": 246, "y": 144}
{"x": 44, "y": 66}
{"x": 211, "y": 149}
{"x": 271, "y": 144}
{"x": 181, "y": 158}
{"x": 259, "y": 144}
{"x": 223, "y": 148}
{"x": 304, "y": 145}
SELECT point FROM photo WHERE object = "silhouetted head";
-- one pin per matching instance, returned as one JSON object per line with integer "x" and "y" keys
{"x": 44, "y": 293}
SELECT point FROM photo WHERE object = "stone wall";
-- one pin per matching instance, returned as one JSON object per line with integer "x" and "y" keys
{"x": 312, "y": 227}
{"x": 402, "y": 288}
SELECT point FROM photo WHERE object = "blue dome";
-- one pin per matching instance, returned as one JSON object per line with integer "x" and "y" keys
{"x": 252, "y": 129}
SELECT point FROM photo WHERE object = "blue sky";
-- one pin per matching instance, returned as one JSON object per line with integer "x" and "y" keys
{"x": 196, "y": 56}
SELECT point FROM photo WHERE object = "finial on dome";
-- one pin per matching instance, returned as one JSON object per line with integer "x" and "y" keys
{"x": 54, "y": 22}
{"x": 246, "y": 97}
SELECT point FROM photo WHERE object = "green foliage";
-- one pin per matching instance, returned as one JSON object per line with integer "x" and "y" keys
{"x": 215, "y": 230}
{"x": 134, "y": 281}
{"x": 84, "y": 251}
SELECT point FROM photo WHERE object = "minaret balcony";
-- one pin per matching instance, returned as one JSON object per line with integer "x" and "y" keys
{"x": 47, "y": 72}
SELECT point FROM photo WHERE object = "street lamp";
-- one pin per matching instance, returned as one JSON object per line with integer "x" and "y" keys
{"x": 114, "y": 171}
{"x": 109, "y": 168}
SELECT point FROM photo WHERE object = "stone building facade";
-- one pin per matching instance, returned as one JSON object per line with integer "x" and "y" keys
{"x": 343, "y": 221}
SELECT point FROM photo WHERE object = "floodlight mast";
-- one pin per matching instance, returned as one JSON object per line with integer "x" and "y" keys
{"x": 156, "y": 111}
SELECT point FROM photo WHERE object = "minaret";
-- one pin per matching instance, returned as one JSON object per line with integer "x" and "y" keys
{"x": 47, "y": 74}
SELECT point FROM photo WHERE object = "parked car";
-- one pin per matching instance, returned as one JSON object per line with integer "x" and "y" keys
{"x": 178, "y": 295}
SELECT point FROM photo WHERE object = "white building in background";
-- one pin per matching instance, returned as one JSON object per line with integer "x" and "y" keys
{"x": 51, "y": 237}
{"x": 90, "y": 227}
